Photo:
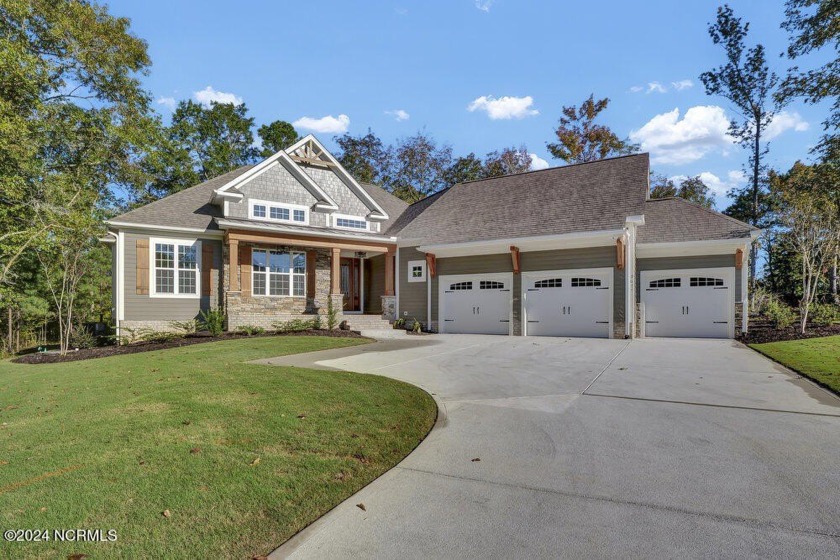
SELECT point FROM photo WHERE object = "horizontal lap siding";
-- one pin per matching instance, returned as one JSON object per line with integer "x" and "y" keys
{"x": 146, "y": 308}
{"x": 678, "y": 263}
{"x": 412, "y": 298}
{"x": 374, "y": 283}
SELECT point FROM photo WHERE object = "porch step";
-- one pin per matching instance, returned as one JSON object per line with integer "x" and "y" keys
{"x": 366, "y": 322}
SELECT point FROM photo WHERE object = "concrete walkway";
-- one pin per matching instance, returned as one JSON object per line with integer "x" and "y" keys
{"x": 594, "y": 448}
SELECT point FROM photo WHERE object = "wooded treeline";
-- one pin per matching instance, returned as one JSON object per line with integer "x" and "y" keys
{"x": 80, "y": 141}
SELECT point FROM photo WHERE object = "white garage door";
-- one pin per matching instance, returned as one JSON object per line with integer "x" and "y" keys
{"x": 475, "y": 303}
{"x": 568, "y": 302}
{"x": 689, "y": 303}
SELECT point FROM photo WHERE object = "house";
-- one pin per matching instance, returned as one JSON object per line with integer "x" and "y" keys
{"x": 579, "y": 250}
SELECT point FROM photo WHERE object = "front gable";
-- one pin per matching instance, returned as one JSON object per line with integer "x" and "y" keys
{"x": 304, "y": 176}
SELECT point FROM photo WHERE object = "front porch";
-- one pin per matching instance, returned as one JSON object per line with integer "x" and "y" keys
{"x": 273, "y": 278}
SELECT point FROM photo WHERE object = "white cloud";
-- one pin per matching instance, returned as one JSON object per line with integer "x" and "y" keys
{"x": 484, "y": 5}
{"x": 538, "y": 163}
{"x": 507, "y": 107}
{"x": 324, "y": 125}
{"x": 399, "y": 115}
{"x": 672, "y": 140}
{"x": 785, "y": 121}
{"x": 682, "y": 84}
{"x": 168, "y": 102}
{"x": 636, "y": 89}
{"x": 209, "y": 95}
{"x": 656, "y": 87}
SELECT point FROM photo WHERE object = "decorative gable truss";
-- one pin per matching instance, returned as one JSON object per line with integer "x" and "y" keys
{"x": 306, "y": 152}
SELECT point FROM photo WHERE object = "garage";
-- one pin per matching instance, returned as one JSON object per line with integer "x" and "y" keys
{"x": 568, "y": 302}
{"x": 476, "y": 303}
{"x": 694, "y": 303}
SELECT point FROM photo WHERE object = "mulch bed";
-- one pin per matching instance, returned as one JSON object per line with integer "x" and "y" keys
{"x": 764, "y": 334}
{"x": 105, "y": 351}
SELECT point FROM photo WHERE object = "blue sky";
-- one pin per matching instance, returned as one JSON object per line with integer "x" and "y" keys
{"x": 477, "y": 74}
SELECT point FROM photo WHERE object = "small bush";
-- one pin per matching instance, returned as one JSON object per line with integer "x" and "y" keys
{"x": 416, "y": 326}
{"x": 185, "y": 327}
{"x": 824, "y": 314}
{"x": 294, "y": 325}
{"x": 316, "y": 322}
{"x": 160, "y": 336}
{"x": 250, "y": 330}
{"x": 399, "y": 323}
{"x": 332, "y": 314}
{"x": 82, "y": 338}
{"x": 213, "y": 320}
{"x": 780, "y": 314}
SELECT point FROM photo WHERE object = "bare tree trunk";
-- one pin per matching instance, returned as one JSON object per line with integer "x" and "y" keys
{"x": 833, "y": 282}
{"x": 10, "y": 331}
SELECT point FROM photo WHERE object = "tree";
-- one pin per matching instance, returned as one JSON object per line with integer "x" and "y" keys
{"x": 365, "y": 157}
{"x": 747, "y": 82}
{"x": 811, "y": 216}
{"x": 465, "y": 168}
{"x": 217, "y": 138}
{"x": 70, "y": 104}
{"x": 507, "y": 162}
{"x": 813, "y": 25}
{"x": 276, "y": 136}
{"x": 580, "y": 139}
{"x": 692, "y": 189}
{"x": 418, "y": 167}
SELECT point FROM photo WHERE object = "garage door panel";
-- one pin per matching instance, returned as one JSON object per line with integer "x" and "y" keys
{"x": 688, "y": 303}
{"x": 568, "y": 303}
{"x": 476, "y": 304}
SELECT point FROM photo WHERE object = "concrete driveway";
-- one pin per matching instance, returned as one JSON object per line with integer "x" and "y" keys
{"x": 594, "y": 448}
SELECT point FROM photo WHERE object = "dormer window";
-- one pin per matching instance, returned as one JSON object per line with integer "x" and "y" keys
{"x": 351, "y": 222}
{"x": 276, "y": 212}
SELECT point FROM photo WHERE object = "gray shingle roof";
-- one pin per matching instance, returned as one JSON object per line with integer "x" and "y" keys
{"x": 189, "y": 208}
{"x": 575, "y": 198}
{"x": 676, "y": 219}
{"x": 390, "y": 203}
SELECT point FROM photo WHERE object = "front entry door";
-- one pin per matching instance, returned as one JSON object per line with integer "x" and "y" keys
{"x": 351, "y": 284}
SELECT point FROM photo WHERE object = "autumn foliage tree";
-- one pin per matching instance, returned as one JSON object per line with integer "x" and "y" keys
{"x": 580, "y": 139}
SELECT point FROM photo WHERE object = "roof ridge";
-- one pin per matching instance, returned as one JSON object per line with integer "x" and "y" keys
{"x": 559, "y": 167}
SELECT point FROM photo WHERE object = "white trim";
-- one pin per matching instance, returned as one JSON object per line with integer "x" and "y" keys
{"x": 537, "y": 243}
{"x": 362, "y": 285}
{"x": 377, "y": 212}
{"x": 397, "y": 285}
{"x": 278, "y": 228}
{"x": 269, "y": 204}
{"x": 609, "y": 271}
{"x": 120, "y": 311}
{"x": 149, "y": 227}
{"x": 637, "y": 220}
{"x": 727, "y": 272}
{"x": 689, "y": 248}
{"x": 336, "y": 217}
{"x": 409, "y": 272}
{"x": 629, "y": 271}
{"x": 429, "y": 303}
{"x": 745, "y": 300}
{"x": 450, "y": 278}
{"x": 176, "y": 242}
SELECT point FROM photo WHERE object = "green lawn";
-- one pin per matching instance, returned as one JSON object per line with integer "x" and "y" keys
{"x": 242, "y": 456}
{"x": 817, "y": 358}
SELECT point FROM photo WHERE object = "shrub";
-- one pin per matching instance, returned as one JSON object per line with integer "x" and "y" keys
{"x": 779, "y": 313}
{"x": 416, "y": 326}
{"x": 250, "y": 330}
{"x": 824, "y": 314}
{"x": 160, "y": 336}
{"x": 213, "y": 320}
{"x": 316, "y": 322}
{"x": 82, "y": 338}
{"x": 185, "y": 327}
{"x": 399, "y": 323}
{"x": 294, "y": 325}
{"x": 332, "y": 314}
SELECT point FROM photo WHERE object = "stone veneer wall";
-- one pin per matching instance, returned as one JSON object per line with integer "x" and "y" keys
{"x": 739, "y": 318}
{"x": 264, "y": 311}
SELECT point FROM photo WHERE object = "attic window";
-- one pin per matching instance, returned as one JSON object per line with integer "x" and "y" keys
{"x": 350, "y": 222}
{"x": 279, "y": 212}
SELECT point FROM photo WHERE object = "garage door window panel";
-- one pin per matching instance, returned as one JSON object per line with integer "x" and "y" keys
{"x": 549, "y": 283}
{"x": 666, "y": 283}
{"x": 700, "y": 282}
{"x": 585, "y": 283}
{"x": 490, "y": 285}
{"x": 461, "y": 286}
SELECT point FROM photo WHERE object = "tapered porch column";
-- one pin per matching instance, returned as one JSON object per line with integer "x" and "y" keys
{"x": 233, "y": 264}
{"x": 389, "y": 272}
{"x": 335, "y": 272}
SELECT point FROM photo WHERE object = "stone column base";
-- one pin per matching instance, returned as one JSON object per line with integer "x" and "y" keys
{"x": 337, "y": 305}
{"x": 389, "y": 308}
